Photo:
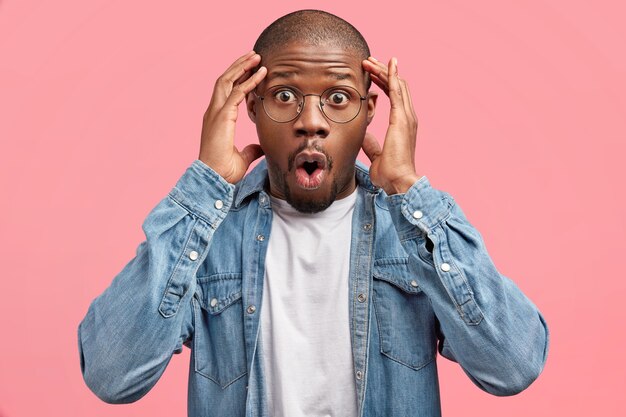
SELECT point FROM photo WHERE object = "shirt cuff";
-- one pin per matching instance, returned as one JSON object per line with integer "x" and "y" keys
{"x": 422, "y": 206}
{"x": 204, "y": 193}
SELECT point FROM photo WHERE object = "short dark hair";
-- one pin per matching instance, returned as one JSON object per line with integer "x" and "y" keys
{"x": 314, "y": 27}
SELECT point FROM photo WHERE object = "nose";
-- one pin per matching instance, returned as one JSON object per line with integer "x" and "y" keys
{"x": 311, "y": 121}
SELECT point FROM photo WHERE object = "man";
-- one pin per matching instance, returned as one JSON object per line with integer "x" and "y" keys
{"x": 309, "y": 287}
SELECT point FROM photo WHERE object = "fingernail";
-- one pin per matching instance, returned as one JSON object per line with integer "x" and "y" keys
{"x": 373, "y": 59}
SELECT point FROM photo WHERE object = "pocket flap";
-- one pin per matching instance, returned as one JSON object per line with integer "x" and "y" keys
{"x": 396, "y": 272}
{"x": 216, "y": 292}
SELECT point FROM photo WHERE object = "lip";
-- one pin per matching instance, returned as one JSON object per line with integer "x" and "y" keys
{"x": 303, "y": 157}
{"x": 315, "y": 179}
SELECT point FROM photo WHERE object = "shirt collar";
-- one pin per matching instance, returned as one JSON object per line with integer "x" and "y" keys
{"x": 255, "y": 181}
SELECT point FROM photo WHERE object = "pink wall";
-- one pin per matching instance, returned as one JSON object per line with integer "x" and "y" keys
{"x": 522, "y": 119}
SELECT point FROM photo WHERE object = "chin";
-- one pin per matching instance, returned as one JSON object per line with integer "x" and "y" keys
{"x": 311, "y": 203}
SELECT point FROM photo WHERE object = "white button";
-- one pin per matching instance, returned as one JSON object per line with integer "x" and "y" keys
{"x": 359, "y": 374}
{"x": 260, "y": 238}
{"x": 367, "y": 226}
{"x": 413, "y": 283}
{"x": 263, "y": 199}
{"x": 418, "y": 214}
{"x": 219, "y": 204}
{"x": 445, "y": 267}
{"x": 251, "y": 309}
{"x": 213, "y": 302}
{"x": 193, "y": 255}
{"x": 361, "y": 298}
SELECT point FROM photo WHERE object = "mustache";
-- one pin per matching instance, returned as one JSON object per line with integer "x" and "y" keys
{"x": 304, "y": 146}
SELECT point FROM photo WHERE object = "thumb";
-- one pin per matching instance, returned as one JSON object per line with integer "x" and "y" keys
{"x": 251, "y": 152}
{"x": 371, "y": 147}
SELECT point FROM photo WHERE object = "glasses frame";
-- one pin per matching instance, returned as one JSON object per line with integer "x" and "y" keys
{"x": 319, "y": 104}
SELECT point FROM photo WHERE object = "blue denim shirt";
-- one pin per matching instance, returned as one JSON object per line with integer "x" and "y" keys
{"x": 421, "y": 281}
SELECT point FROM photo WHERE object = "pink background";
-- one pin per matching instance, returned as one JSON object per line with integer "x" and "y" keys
{"x": 522, "y": 119}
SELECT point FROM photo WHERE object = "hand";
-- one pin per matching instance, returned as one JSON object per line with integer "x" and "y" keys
{"x": 393, "y": 166}
{"x": 217, "y": 147}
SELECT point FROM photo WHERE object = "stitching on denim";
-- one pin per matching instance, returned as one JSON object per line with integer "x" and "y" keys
{"x": 188, "y": 209}
{"x": 367, "y": 309}
{"x": 380, "y": 338}
{"x": 195, "y": 356}
{"x": 414, "y": 367}
{"x": 443, "y": 281}
{"x": 415, "y": 291}
{"x": 376, "y": 312}
{"x": 391, "y": 261}
{"x": 466, "y": 319}
{"x": 173, "y": 274}
{"x": 223, "y": 276}
{"x": 226, "y": 384}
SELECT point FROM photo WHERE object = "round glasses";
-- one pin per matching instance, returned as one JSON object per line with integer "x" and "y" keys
{"x": 283, "y": 103}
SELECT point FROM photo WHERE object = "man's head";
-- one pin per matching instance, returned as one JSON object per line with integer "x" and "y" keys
{"x": 311, "y": 156}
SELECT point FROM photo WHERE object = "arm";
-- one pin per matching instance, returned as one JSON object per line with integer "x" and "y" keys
{"x": 131, "y": 331}
{"x": 486, "y": 323}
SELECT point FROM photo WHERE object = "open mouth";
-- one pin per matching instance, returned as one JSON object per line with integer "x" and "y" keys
{"x": 310, "y": 169}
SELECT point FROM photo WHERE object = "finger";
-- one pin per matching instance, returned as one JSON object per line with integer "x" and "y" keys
{"x": 405, "y": 98}
{"x": 225, "y": 83}
{"x": 381, "y": 66}
{"x": 395, "y": 92}
{"x": 408, "y": 94}
{"x": 223, "y": 86}
{"x": 239, "y": 91}
{"x": 244, "y": 77}
{"x": 251, "y": 153}
{"x": 237, "y": 64}
{"x": 383, "y": 85}
{"x": 376, "y": 70}
{"x": 371, "y": 147}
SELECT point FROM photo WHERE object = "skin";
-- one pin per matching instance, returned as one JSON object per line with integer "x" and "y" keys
{"x": 392, "y": 165}
{"x": 311, "y": 69}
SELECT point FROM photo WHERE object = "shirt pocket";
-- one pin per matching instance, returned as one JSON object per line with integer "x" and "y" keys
{"x": 219, "y": 347}
{"x": 404, "y": 315}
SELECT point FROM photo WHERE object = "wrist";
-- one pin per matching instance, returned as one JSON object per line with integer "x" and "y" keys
{"x": 402, "y": 184}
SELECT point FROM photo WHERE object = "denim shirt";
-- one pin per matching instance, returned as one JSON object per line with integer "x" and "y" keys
{"x": 421, "y": 281}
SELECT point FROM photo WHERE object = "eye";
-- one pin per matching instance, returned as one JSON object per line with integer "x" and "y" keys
{"x": 285, "y": 96}
{"x": 338, "y": 98}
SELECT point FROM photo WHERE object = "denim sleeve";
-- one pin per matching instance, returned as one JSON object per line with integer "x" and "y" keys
{"x": 487, "y": 324}
{"x": 131, "y": 330}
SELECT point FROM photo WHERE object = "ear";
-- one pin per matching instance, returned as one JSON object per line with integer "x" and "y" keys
{"x": 372, "y": 97}
{"x": 251, "y": 106}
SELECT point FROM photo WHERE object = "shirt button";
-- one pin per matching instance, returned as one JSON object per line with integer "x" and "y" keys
{"x": 219, "y": 204}
{"x": 413, "y": 283}
{"x": 367, "y": 226}
{"x": 417, "y": 214}
{"x": 359, "y": 375}
{"x": 361, "y": 298}
{"x": 213, "y": 302}
{"x": 193, "y": 255}
{"x": 251, "y": 309}
{"x": 445, "y": 267}
{"x": 263, "y": 199}
{"x": 260, "y": 238}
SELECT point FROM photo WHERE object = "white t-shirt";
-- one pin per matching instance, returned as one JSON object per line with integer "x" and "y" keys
{"x": 305, "y": 327}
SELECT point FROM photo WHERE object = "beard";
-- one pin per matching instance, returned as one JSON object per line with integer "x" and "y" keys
{"x": 307, "y": 204}
{"x": 310, "y": 205}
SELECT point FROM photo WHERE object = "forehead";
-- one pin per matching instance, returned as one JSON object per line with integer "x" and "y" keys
{"x": 302, "y": 62}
